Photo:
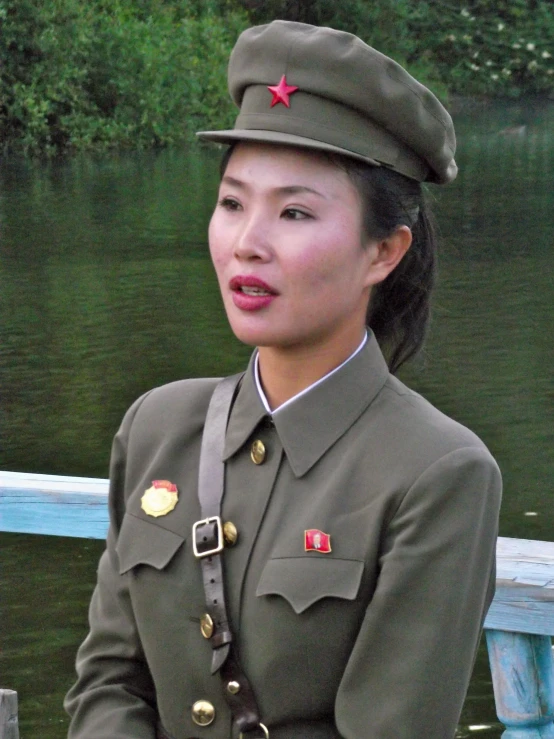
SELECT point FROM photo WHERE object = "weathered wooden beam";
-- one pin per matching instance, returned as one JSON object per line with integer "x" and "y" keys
{"x": 523, "y": 680}
{"x": 524, "y": 600}
{"x": 9, "y": 725}
{"x": 528, "y": 609}
{"x": 526, "y": 561}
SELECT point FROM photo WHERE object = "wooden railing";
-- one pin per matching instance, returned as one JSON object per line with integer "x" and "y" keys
{"x": 518, "y": 626}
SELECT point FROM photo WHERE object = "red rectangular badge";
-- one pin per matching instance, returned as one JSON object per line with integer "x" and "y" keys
{"x": 317, "y": 541}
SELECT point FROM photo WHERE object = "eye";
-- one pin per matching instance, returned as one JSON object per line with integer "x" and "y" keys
{"x": 294, "y": 214}
{"x": 229, "y": 204}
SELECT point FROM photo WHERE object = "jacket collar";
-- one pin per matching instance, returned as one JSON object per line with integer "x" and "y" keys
{"x": 308, "y": 427}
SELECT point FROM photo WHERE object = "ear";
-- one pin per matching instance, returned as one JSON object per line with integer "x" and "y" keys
{"x": 385, "y": 255}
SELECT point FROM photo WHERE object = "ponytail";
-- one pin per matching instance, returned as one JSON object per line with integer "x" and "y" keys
{"x": 399, "y": 308}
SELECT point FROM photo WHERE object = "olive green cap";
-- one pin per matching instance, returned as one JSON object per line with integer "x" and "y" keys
{"x": 335, "y": 93}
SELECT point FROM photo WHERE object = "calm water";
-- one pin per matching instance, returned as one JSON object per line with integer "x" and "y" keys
{"x": 106, "y": 290}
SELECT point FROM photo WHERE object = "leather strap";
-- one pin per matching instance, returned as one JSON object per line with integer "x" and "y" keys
{"x": 208, "y": 547}
{"x": 208, "y": 536}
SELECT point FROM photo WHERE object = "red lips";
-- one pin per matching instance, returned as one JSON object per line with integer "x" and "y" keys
{"x": 250, "y": 293}
{"x": 250, "y": 281}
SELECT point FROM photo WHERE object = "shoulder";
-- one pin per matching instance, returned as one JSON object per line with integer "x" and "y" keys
{"x": 415, "y": 436}
{"x": 183, "y": 397}
{"x": 177, "y": 405}
{"x": 412, "y": 416}
{"x": 437, "y": 464}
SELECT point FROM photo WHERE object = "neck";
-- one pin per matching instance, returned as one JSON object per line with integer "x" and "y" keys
{"x": 286, "y": 371}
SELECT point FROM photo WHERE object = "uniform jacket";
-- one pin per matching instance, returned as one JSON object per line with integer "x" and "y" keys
{"x": 373, "y": 640}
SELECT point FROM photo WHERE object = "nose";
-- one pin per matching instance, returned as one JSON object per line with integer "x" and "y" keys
{"x": 252, "y": 241}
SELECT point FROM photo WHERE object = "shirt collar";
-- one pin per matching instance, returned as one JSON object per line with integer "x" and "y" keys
{"x": 308, "y": 427}
{"x": 263, "y": 396}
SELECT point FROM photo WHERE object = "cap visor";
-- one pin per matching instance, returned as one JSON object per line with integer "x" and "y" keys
{"x": 277, "y": 137}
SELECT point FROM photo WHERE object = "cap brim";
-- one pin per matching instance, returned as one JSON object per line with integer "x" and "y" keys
{"x": 276, "y": 137}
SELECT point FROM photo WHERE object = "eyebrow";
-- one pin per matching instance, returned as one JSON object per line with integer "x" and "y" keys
{"x": 286, "y": 190}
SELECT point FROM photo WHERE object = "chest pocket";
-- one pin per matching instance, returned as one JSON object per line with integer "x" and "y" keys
{"x": 302, "y": 581}
{"x": 144, "y": 543}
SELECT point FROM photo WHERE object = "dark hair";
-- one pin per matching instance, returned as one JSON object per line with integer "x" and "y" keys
{"x": 399, "y": 308}
{"x": 398, "y": 311}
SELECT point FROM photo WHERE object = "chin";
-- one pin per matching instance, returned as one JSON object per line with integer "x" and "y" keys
{"x": 250, "y": 330}
{"x": 252, "y": 336}
{"x": 259, "y": 330}
{"x": 249, "y": 336}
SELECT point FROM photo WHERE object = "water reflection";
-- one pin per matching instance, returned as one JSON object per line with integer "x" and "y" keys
{"x": 107, "y": 290}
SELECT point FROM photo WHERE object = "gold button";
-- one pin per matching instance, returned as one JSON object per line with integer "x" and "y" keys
{"x": 203, "y": 713}
{"x": 257, "y": 452}
{"x": 206, "y": 626}
{"x": 233, "y": 687}
{"x": 230, "y": 533}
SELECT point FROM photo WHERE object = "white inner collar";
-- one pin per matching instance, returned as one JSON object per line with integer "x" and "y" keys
{"x": 306, "y": 389}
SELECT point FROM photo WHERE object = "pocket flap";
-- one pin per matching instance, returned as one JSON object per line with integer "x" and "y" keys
{"x": 141, "y": 542}
{"x": 304, "y": 580}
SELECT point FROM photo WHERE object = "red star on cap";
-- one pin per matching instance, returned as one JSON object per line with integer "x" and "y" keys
{"x": 281, "y": 92}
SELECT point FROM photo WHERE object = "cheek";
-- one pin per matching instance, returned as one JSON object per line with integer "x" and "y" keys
{"x": 332, "y": 260}
{"x": 318, "y": 273}
{"x": 216, "y": 244}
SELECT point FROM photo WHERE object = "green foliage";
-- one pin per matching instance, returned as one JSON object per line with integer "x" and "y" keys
{"x": 76, "y": 74}
{"x": 490, "y": 47}
{"x": 115, "y": 73}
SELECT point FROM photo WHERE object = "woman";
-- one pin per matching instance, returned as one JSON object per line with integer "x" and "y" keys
{"x": 359, "y": 521}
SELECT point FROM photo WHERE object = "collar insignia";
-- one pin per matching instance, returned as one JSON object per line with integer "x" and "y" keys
{"x": 160, "y": 499}
{"x": 317, "y": 541}
{"x": 281, "y": 92}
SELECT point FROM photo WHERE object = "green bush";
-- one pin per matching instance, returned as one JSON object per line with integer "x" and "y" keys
{"x": 489, "y": 47}
{"x": 90, "y": 76}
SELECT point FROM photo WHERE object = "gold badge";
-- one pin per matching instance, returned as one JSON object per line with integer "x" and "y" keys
{"x": 160, "y": 499}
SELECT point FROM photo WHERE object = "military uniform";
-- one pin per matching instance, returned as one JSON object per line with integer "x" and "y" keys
{"x": 374, "y": 639}
{"x": 366, "y": 519}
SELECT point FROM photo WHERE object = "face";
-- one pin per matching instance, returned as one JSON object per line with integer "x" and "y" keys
{"x": 286, "y": 243}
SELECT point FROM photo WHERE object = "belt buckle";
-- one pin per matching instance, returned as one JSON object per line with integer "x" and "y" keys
{"x": 220, "y": 541}
{"x": 262, "y": 727}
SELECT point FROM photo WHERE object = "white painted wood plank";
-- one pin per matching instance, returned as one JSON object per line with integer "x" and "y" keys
{"x": 9, "y": 726}
{"x": 525, "y": 550}
{"x": 525, "y": 561}
{"x": 54, "y": 483}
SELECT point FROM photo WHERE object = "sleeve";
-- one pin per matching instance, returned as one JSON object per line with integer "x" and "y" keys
{"x": 409, "y": 670}
{"x": 114, "y": 697}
